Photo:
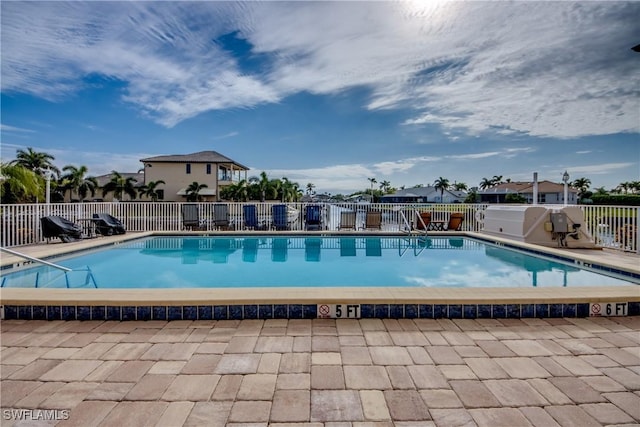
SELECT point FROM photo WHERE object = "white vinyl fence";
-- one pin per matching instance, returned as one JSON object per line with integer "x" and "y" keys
{"x": 611, "y": 226}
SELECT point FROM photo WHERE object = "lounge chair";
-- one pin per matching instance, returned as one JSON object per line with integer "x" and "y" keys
{"x": 279, "y": 215}
{"x": 221, "y": 217}
{"x": 312, "y": 248}
{"x": 347, "y": 220}
{"x": 373, "y": 220}
{"x": 455, "y": 221}
{"x": 191, "y": 217}
{"x": 251, "y": 218}
{"x": 313, "y": 217}
{"x": 108, "y": 225}
{"x": 56, "y": 226}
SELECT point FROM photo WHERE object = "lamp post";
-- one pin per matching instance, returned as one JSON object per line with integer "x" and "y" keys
{"x": 565, "y": 179}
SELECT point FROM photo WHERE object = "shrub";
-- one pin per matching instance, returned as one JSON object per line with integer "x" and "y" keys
{"x": 616, "y": 199}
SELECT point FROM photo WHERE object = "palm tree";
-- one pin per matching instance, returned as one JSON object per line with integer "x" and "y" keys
{"x": 193, "y": 191}
{"x": 497, "y": 179}
{"x": 35, "y": 161}
{"x": 441, "y": 184}
{"x": 372, "y": 181}
{"x": 290, "y": 190}
{"x": 310, "y": 188}
{"x": 582, "y": 185}
{"x": 601, "y": 191}
{"x": 385, "y": 186}
{"x": 486, "y": 183}
{"x": 150, "y": 190}
{"x": 460, "y": 186}
{"x": 120, "y": 185}
{"x": 75, "y": 180}
{"x": 264, "y": 185}
{"x": 19, "y": 184}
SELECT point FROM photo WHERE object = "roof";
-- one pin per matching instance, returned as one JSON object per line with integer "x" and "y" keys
{"x": 199, "y": 157}
{"x": 526, "y": 187}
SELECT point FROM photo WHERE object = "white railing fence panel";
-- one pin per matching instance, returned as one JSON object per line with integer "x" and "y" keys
{"x": 614, "y": 227}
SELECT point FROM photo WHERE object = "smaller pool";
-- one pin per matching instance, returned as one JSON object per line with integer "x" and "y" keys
{"x": 366, "y": 261}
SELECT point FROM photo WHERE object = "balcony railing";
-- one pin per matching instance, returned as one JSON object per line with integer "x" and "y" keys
{"x": 613, "y": 227}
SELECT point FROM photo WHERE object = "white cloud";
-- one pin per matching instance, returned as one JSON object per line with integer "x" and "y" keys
{"x": 551, "y": 69}
{"x": 599, "y": 169}
{"x": 7, "y": 128}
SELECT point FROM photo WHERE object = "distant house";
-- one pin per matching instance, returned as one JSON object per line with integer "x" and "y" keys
{"x": 548, "y": 192}
{"x": 104, "y": 179}
{"x": 428, "y": 194}
{"x": 178, "y": 171}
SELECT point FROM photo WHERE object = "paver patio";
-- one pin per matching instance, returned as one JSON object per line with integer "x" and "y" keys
{"x": 368, "y": 372}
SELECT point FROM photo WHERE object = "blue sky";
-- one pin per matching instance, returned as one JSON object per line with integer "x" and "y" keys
{"x": 331, "y": 93}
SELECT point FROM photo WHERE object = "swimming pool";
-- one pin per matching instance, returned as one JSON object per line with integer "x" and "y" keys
{"x": 310, "y": 262}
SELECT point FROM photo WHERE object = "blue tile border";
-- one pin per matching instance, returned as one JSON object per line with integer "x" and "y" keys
{"x": 301, "y": 311}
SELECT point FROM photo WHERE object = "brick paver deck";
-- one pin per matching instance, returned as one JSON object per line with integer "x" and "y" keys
{"x": 525, "y": 372}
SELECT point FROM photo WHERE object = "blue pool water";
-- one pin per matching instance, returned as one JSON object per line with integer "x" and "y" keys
{"x": 215, "y": 262}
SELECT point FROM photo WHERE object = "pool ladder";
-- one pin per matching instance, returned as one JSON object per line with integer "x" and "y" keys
{"x": 408, "y": 225}
{"x": 66, "y": 270}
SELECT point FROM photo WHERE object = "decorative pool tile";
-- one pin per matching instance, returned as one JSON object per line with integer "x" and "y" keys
{"x": 455, "y": 311}
{"x": 174, "y": 313}
{"x": 68, "y": 312}
{"x": 24, "y": 312}
{"x": 113, "y": 313}
{"x": 295, "y": 311}
{"x": 310, "y": 311}
{"x": 143, "y": 313}
{"x": 128, "y": 313}
{"x": 235, "y": 312}
{"x": 555, "y": 310}
{"x": 53, "y": 312}
{"x": 159, "y": 312}
{"x": 83, "y": 312}
{"x": 382, "y": 311}
{"x": 426, "y": 311}
{"x": 542, "y": 310}
{"x": 440, "y": 311}
{"x": 568, "y": 310}
{"x": 301, "y": 311}
{"x": 220, "y": 312}
{"x": 265, "y": 311}
{"x": 10, "y": 312}
{"x": 39, "y": 312}
{"x": 250, "y": 312}
{"x": 205, "y": 312}
{"x": 98, "y": 312}
{"x": 280, "y": 311}
{"x": 396, "y": 311}
{"x": 528, "y": 310}
{"x": 470, "y": 311}
{"x": 513, "y": 311}
{"x": 367, "y": 311}
{"x": 411, "y": 311}
{"x": 498, "y": 311}
{"x": 484, "y": 311}
{"x": 190, "y": 312}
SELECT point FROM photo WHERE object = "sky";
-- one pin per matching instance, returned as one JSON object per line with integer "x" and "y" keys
{"x": 329, "y": 93}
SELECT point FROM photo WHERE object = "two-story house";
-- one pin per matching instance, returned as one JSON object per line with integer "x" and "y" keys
{"x": 178, "y": 171}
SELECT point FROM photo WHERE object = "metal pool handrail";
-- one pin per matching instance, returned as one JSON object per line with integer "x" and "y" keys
{"x": 30, "y": 258}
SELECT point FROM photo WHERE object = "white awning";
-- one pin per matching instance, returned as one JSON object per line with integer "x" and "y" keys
{"x": 203, "y": 192}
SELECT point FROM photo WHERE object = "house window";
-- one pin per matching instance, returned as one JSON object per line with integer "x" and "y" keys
{"x": 542, "y": 198}
{"x": 208, "y": 168}
{"x": 160, "y": 194}
{"x": 188, "y": 168}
